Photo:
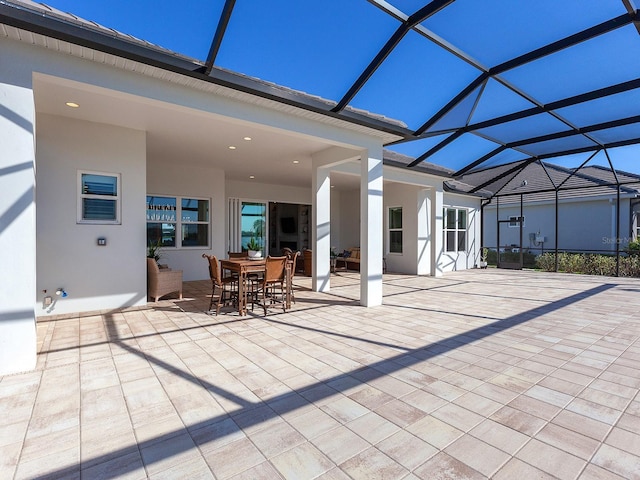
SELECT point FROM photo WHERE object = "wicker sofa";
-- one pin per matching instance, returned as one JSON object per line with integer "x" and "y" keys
{"x": 350, "y": 258}
{"x": 162, "y": 282}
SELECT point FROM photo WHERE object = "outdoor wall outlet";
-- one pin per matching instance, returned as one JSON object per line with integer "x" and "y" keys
{"x": 102, "y": 241}
{"x": 48, "y": 300}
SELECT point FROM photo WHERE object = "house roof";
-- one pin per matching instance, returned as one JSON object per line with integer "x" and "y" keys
{"x": 472, "y": 84}
{"x": 538, "y": 181}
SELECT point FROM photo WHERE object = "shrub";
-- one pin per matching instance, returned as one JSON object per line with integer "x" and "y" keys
{"x": 590, "y": 264}
{"x": 546, "y": 262}
{"x": 634, "y": 248}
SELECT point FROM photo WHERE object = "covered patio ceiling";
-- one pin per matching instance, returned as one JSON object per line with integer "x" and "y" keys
{"x": 472, "y": 84}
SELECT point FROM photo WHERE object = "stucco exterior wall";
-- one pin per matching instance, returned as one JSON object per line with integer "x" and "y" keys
{"x": 95, "y": 277}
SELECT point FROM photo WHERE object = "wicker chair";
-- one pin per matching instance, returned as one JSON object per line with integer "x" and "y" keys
{"x": 226, "y": 286}
{"x": 272, "y": 286}
{"x": 161, "y": 282}
{"x": 293, "y": 258}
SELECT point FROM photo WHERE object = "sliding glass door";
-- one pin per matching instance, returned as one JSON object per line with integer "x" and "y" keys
{"x": 253, "y": 224}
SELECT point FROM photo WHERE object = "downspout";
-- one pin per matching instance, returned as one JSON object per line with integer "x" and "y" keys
{"x": 618, "y": 231}
{"x": 556, "y": 241}
{"x": 498, "y": 232}
{"x": 521, "y": 222}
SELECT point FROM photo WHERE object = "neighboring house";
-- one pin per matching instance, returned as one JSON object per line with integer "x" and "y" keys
{"x": 588, "y": 216}
{"x": 109, "y": 142}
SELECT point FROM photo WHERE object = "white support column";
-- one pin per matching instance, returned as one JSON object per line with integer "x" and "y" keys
{"x": 17, "y": 218}
{"x": 322, "y": 232}
{"x": 371, "y": 227}
{"x": 424, "y": 238}
{"x": 437, "y": 227}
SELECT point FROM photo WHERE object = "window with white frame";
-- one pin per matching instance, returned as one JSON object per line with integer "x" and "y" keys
{"x": 98, "y": 197}
{"x": 177, "y": 221}
{"x": 395, "y": 229}
{"x": 514, "y": 223}
{"x": 455, "y": 229}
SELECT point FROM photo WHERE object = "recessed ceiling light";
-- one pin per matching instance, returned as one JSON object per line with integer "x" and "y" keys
{"x": 296, "y": 161}
{"x": 232, "y": 147}
{"x": 72, "y": 104}
{"x": 252, "y": 176}
{"x": 247, "y": 138}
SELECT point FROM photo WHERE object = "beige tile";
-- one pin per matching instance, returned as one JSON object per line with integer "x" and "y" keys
{"x": 593, "y": 472}
{"x": 127, "y": 466}
{"x": 625, "y": 440}
{"x": 532, "y": 406}
{"x": 445, "y": 467}
{"x": 215, "y": 435}
{"x": 407, "y": 449}
{"x": 163, "y": 455}
{"x": 617, "y": 461}
{"x": 568, "y": 441}
{"x": 518, "y": 420}
{"x": 425, "y": 401}
{"x": 276, "y": 439}
{"x": 313, "y": 423}
{"x": 302, "y": 461}
{"x": 595, "y": 411}
{"x": 340, "y": 444}
{"x": 194, "y": 469}
{"x": 373, "y": 464}
{"x": 517, "y": 469}
{"x": 477, "y": 454}
{"x": 371, "y": 398}
{"x": 52, "y": 464}
{"x": 233, "y": 458}
{"x": 435, "y": 432}
{"x": 372, "y": 427}
{"x": 262, "y": 471}
{"x": 551, "y": 460}
{"x": 9, "y": 454}
{"x": 581, "y": 424}
{"x": 344, "y": 409}
{"x": 400, "y": 413}
{"x": 459, "y": 417}
{"x": 500, "y": 436}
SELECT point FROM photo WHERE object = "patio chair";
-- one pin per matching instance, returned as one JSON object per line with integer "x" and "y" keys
{"x": 162, "y": 282}
{"x": 226, "y": 286}
{"x": 271, "y": 292}
{"x": 293, "y": 258}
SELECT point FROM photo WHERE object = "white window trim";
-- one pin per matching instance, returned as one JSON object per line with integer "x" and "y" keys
{"x": 389, "y": 230}
{"x": 514, "y": 219}
{"x": 179, "y": 222}
{"x": 455, "y": 229}
{"x": 81, "y": 196}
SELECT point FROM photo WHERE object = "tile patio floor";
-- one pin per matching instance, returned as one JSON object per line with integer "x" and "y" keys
{"x": 478, "y": 374}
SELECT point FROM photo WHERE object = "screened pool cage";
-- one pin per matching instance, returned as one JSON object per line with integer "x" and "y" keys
{"x": 540, "y": 207}
{"x": 532, "y": 105}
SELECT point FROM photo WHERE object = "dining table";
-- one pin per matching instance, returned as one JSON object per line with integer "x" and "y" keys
{"x": 245, "y": 266}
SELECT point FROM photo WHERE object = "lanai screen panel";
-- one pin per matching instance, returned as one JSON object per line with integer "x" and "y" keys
{"x": 472, "y": 84}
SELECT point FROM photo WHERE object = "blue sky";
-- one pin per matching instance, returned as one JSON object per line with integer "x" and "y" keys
{"x": 320, "y": 47}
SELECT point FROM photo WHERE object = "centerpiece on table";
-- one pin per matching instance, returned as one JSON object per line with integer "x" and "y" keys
{"x": 253, "y": 248}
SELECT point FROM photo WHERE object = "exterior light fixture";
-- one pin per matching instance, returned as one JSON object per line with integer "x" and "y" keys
{"x": 232, "y": 147}
{"x": 72, "y": 104}
{"x": 247, "y": 139}
{"x": 252, "y": 176}
{"x": 296, "y": 161}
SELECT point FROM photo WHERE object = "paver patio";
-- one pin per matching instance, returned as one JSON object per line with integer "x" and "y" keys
{"x": 477, "y": 374}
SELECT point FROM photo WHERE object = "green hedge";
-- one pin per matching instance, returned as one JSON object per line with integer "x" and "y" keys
{"x": 590, "y": 264}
